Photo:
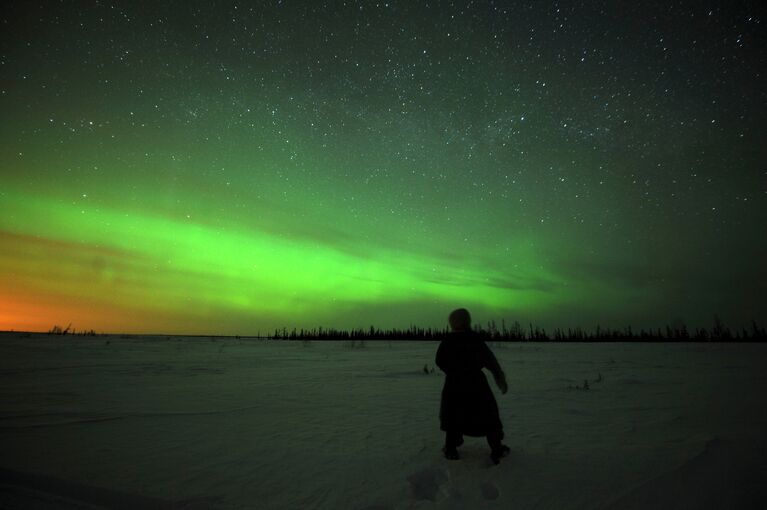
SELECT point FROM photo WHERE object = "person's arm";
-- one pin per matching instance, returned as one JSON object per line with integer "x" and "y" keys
{"x": 442, "y": 358}
{"x": 491, "y": 363}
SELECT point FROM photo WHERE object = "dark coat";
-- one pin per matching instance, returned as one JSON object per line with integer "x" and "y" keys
{"x": 468, "y": 405}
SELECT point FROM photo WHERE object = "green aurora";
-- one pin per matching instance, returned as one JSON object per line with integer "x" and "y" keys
{"x": 214, "y": 168}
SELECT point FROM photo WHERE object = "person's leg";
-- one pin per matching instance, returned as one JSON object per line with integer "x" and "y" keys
{"x": 494, "y": 439}
{"x": 497, "y": 448}
{"x": 452, "y": 441}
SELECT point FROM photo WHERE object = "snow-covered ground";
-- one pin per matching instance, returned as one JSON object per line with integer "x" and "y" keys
{"x": 168, "y": 422}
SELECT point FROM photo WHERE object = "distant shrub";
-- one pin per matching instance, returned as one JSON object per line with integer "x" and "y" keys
{"x": 58, "y": 330}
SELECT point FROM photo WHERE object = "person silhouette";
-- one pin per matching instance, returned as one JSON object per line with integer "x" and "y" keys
{"x": 468, "y": 406}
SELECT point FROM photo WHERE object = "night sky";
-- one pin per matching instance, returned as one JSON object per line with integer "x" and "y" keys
{"x": 229, "y": 168}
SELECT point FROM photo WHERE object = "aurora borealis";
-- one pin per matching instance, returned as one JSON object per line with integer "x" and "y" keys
{"x": 228, "y": 168}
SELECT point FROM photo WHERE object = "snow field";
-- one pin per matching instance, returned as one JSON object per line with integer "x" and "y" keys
{"x": 237, "y": 423}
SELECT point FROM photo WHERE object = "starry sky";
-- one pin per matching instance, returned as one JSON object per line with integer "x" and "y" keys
{"x": 230, "y": 168}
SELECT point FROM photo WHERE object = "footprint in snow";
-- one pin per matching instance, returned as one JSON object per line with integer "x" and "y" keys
{"x": 426, "y": 482}
{"x": 489, "y": 491}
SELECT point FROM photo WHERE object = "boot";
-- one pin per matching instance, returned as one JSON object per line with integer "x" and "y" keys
{"x": 498, "y": 453}
{"x": 450, "y": 453}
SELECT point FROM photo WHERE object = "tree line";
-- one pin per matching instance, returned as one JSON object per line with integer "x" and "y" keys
{"x": 517, "y": 333}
